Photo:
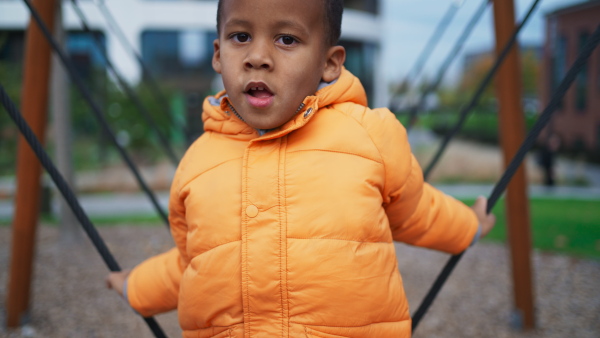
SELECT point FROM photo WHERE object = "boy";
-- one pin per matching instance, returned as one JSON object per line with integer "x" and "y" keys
{"x": 284, "y": 212}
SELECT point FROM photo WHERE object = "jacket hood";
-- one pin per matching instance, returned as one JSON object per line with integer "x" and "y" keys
{"x": 218, "y": 116}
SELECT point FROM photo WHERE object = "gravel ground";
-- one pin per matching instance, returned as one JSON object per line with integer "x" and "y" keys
{"x": 69, "y": 298}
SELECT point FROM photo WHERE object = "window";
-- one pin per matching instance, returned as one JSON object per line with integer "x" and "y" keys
{"x": 559, "y": 64}
{"x": 598, "y": 69}
{"x": 12, "y": 44}
{"x": 371, "y": 6}
{"x": 183, "y": 60}
{"x": 598, "y": 138}
{"x": 360, "y": 60}
{"x": 81, "y": 46}
{"x": 179, "y": 54}
{"x": 581, "y": 84}
{"x": 85, "y": 53}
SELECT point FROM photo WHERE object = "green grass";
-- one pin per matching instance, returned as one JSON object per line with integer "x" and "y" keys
{"x": 480, "y": 125}
{"x": 570, "y": 227}
{"x": 141, "y": 219}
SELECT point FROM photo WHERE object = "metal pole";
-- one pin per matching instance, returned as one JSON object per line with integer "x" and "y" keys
{"x": 512, "y": 131}
{"x": 27, "y": 201}
{"x": 69, "y": 231}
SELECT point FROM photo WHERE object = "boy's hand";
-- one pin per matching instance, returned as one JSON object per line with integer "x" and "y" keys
{"x": 116, "y": 280}
{"x": 486, "y": 221}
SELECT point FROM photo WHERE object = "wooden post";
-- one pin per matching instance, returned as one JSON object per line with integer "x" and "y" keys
{"x": 512, "y": 131}
{"x": 27, "y": 201}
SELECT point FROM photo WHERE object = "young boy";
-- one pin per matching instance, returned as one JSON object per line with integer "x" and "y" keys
{"x": 284, "y": 212}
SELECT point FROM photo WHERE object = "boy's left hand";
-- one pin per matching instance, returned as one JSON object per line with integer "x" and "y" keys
{"x": 486, "y": 221}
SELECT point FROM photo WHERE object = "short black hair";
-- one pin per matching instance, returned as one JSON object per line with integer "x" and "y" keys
{"x": 333, "y": 19}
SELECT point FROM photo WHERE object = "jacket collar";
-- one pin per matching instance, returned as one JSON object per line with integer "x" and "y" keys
{"x": 219, "y": 115}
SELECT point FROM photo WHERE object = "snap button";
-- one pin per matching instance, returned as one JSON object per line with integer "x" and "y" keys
{"x": 308, "y": 112}
{"x": 251, "y": 211}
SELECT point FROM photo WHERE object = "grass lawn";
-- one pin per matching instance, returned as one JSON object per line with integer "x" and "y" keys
{"x": 565, "y": 226}
{"x": 570, "y": 227}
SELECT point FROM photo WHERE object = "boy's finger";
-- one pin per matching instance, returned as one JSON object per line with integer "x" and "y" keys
{"x": 480, "y": 204}
{"x": 481, "y": 200}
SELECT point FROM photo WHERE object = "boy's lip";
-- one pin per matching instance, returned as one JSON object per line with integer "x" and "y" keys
{"x": 258, "y": 94}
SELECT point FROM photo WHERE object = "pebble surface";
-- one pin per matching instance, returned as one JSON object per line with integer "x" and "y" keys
{"x": 69, "y": 297}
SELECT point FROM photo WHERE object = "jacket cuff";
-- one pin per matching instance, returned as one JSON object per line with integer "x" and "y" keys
{"x": 476, "y": 237}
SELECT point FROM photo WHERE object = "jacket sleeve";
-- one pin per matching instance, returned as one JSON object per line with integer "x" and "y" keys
{"x": 153, "y": 285}
{"x": 418, "y": 213}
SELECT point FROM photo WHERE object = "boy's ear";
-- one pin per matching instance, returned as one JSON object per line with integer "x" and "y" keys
{"x": 216, "y": 60}
{"x": 336, "y": 56}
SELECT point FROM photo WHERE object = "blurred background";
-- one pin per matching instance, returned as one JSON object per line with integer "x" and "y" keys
{"x": 405, "y": 54}
{"x": 390, "y": 48}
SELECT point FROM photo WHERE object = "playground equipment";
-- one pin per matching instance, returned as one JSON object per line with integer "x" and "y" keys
{"x": 511, "y": 120}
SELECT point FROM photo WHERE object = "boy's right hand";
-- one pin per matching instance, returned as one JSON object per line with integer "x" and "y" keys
{"x": 116, "y": 280}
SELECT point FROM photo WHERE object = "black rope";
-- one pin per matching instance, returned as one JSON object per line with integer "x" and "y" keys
{"x": 431, "y": 43}
{"x": 67, "y": 193}
{"x": 97, "y": 112}
{"x": 514, "y": 164}
{"x": 147, "y": 77}
{"x": 475, "y": 100}
{"x": 412, "y": 116}
{"x": 128, "y": 90}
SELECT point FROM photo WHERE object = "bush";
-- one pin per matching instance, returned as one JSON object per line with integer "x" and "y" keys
{"x": 91, "y": 147}
{"x": 481, "y": 126}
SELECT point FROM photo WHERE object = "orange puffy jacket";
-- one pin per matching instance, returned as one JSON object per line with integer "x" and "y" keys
{"x": 290, "y": 234}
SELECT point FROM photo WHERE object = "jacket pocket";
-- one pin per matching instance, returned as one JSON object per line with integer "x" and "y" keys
{"x": 312, "y": 333}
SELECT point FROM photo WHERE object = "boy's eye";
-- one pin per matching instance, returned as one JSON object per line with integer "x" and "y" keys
{"x": 287, "y": 40}
{"x": 241, "y": 37}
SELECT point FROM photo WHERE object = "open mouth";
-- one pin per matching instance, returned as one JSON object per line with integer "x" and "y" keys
{"x": 259, "y": 92}
{"x": 259, "y": 95}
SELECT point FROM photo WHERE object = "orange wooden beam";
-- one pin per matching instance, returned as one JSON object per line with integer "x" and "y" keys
{"x": 34, "y": 104}
{"x": 512, "y": 134}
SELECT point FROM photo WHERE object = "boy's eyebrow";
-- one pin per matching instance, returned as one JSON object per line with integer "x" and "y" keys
{"x": 282, "y": 24}
{"x": 291, "y": 24}
{"x": 237, "y": 22}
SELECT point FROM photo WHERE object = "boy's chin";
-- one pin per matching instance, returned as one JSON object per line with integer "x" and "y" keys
{"x": 265, "y": 125}
{"x": 262, "y": 126}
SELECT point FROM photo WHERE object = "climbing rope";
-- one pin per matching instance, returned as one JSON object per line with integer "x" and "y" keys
{"x": 67, "y": 193}
{"x": 412, "y": 116}
{"x": 128, "y": 90}
{"x": 147, "y": 77}
{"x": 432, "y": 42}
{"x": 96, "y": 110}
{"x": 482, "y": 86}
{"x": 499, "y": 188}
{"x": 440, "y": 280}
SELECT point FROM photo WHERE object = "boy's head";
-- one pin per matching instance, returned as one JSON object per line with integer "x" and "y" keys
{"x": 274, "y": 53}
{"x": 332, "y": 10}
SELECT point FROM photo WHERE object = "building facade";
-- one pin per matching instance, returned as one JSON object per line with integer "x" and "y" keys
{"x": 174, "y": 37}
{"x": 577, "y": 119}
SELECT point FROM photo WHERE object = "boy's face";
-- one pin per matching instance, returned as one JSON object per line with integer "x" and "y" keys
{"x": 272, "y": 54}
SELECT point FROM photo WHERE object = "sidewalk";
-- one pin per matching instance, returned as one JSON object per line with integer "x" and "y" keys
{"x": 135, "y": 204}
{"x": 105, "y": 205}
{"x": 462, "y": 159}
{"x": 537, "y": 191}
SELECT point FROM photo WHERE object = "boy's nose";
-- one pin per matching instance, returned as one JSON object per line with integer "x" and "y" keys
{"x": 258, "y": 58}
